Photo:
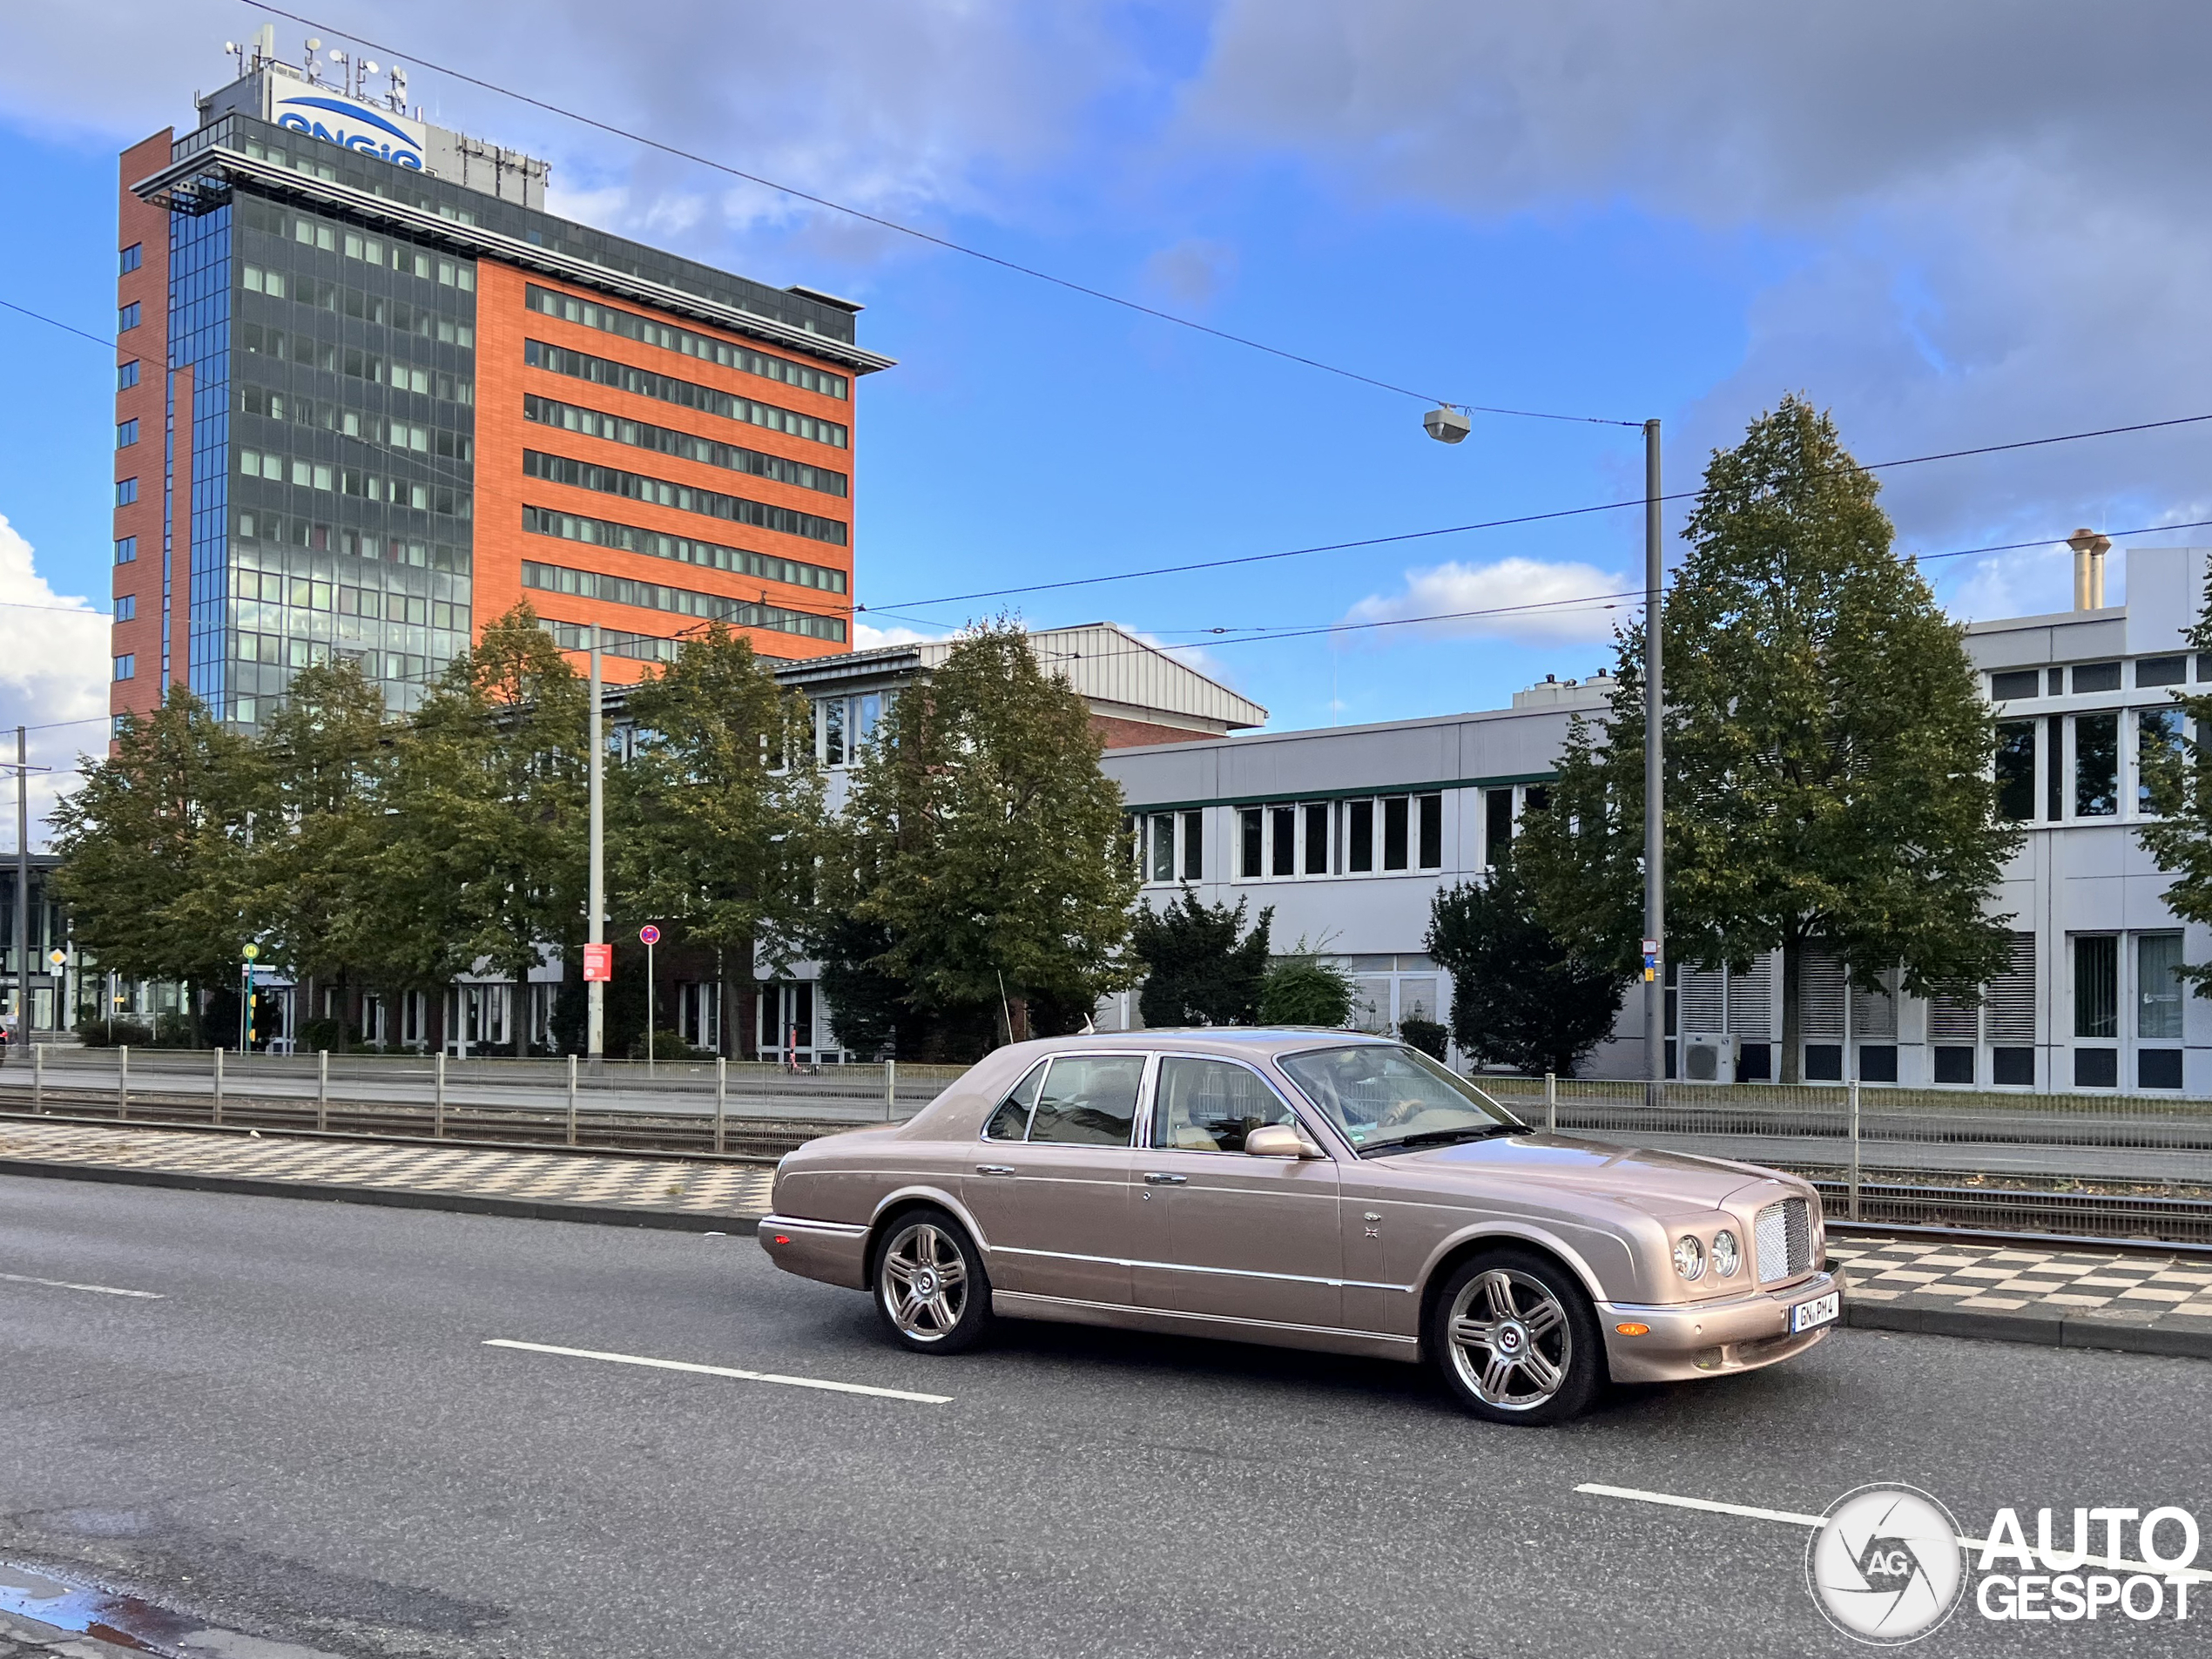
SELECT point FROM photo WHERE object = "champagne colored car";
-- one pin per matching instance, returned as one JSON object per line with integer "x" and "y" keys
{"x": 1310, "y": 1190}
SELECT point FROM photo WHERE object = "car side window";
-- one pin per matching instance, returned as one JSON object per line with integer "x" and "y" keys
{"x": 1011, "y": 1121}
{"x": 1089, "y": 1100}
{"x": 1211, "y": 1105}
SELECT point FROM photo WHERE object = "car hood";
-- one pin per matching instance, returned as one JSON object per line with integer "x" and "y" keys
{"x": 1641, "y": 1176}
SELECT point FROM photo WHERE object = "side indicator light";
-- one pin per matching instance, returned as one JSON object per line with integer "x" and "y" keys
{"x": 783, "y": 1238}
{"x": 1632, "y": 1329}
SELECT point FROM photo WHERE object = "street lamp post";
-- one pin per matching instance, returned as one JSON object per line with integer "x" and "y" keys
{"x": 595, "y": 991}
{"x": 1449, "y": 425}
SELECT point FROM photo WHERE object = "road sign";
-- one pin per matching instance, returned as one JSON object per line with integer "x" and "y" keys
{"x": 251, "y": 952}
{"x": 598, "y": 963}
{"x": 1651, "y": 947}
{"x": 57, "y": 957}
{"x": 648, "y": 934}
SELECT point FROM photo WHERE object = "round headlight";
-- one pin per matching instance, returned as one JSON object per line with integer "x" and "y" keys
{"x": 1689, "y": 1258}
{"x": 1728, "y": 1256}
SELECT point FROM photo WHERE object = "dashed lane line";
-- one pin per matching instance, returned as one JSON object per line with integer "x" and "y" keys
{"x": 96, "y": 1289}
{"x": 822, "y": 1383}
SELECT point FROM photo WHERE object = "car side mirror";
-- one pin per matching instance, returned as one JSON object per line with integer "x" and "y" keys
{"x": 1280, "y": 1141}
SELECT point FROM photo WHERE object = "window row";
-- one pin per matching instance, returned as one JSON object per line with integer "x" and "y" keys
{"x": 394, "y": 434}
{"x": 661, "y": 440}
{"x": 647, "y": 648}
{"x": 307, "y": 351}
{"x": 725, "y": 352}
{"x": 624, "y": 377}
{"x": 1386, "y": 833}
{"x": 354, "y": 481}
{"x": 612, "y": 481}
{"x": 2010, "y": 685}
{"x": 710, "y": 556}
{"x": 413, "y": 666}
{"x": 385, "y": 255}
{"x": 363, "y": 544}
{"x": 395, "y": 314}
{"x": 1168, "y": 847}
{"x": 2080, "y": 760}
{"x": 305, "y": 593}
{"x": 651, "y": 596}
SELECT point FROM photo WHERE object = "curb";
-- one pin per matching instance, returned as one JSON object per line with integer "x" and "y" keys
{"x": 2038, "y": 1330}
{"x": 598, "y": 1214}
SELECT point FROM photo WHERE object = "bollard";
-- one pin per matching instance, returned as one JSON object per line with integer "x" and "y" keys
{"x": 322, "y": 1091}
{"x": 219, "y": 1089}
{"x": 1854, "y": 1149}
{"x": 1551, "y": 1103}
{"x": 122, "y": 1081}
{"x": 438, "y": 1109}
{"x": 890, "y": 1089}
{"x": 571, "y": 1100}
{"x": 721, "y": 1098}
{"x": 38, "y": 1079}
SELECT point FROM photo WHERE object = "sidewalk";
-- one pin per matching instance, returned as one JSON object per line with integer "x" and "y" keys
{"x": 569, "y": 1186}
{"x": 2145, "y": 1303}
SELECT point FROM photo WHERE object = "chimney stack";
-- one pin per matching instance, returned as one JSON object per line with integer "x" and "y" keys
{"x": 2089, "y": 550}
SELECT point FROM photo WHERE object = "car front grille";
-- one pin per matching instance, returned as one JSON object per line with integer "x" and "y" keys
{"x": 1782, "y": 1237}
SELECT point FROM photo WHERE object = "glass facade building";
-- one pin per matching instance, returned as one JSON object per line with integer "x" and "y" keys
{"x": 372, "y": 444}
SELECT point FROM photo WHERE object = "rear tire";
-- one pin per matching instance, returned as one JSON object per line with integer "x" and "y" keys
{"x": 1515, "y": 1336}
{"x": 930, "y": 1287}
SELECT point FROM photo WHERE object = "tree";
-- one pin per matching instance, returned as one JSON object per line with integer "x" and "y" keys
{"x": 710, "y": 831}
{"x": 1197, "y": 970}
{"x": 1520, "y": 997}
{"x": 484, "y": 855}
{"x": 1302, "y": 990}
{"x": 326, "y": 753}
{"x": 156, "y": 861}
{"x": 2177, "y": 767}
{"x": 984, "y": 839}
{"x": 1828, "y": 751}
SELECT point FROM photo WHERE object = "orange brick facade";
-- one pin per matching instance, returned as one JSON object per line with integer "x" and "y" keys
{"x": 504, "y": 324}
{"x": 148, "y": 345}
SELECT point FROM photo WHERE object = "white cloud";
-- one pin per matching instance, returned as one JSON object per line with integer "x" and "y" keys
{"x": 1529, "y": 600}
{"x": 867, "y": 637}
{"x": 53, "y": 668}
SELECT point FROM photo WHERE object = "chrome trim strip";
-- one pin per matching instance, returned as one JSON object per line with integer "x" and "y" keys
{"x": 1185, "y": 1267}
{"x": 1207, "y": 1319}
{"x": 513, "y": 251}
{"x": 1778, "y": 1296}
{"x": 835, "y": 1228}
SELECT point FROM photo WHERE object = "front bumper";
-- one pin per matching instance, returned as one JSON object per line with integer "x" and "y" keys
{"x": 834, "y": 1251}
{"x": 1689, "y": 1340}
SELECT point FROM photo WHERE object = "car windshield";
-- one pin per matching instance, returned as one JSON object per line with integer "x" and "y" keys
{"x": 1387, "y": 1097}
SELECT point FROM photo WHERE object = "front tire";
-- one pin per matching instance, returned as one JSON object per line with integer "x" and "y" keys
{"x": 930, "y": 1286}
{"x": 1517, "y": 1340}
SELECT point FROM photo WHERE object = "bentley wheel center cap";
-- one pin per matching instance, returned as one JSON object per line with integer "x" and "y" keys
{"x": 925, "y": 1283}
{"x": 1511, "y": 1337}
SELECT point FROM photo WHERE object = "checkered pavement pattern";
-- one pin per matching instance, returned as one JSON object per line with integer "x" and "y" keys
{"x": 737, "y": 1190}
{"x": 2170, "y": 1293}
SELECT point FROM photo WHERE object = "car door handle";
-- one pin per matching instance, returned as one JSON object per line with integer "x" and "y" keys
{"x": 1168, "y": 1180}
{"x": 994, "y": 1169}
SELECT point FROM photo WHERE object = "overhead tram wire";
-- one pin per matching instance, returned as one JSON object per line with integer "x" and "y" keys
{"x": 920, "y": 235}
{"x": 1521, "y": 519}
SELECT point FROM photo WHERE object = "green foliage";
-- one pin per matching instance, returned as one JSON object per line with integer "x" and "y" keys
{"x": 157, "y": 846}
{"x": 1430, "y": 1036}
{"x": 114, "y": 1033}
{"x": 1519, "y": 998}
{"x": 1827, "y": 750}
{"x": 1302, "y": 990}
{"x": 1197, "y": 969}
{"x": 985, "y": 842}
{"x": 2179, "y": 775}
{"x": 704, "y": 831}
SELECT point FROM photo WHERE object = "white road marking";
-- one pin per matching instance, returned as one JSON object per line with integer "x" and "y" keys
{"x": 97, "y": 1290}
{"x": 2118, "y": 1564}
{"x": 724, "y": 1370}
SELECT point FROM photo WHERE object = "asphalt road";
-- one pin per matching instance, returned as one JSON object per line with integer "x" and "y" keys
{"x": 306, "y": 1437}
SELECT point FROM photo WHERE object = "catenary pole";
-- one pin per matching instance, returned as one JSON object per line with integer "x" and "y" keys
{"x": 22, "y": 1033}
{"x": 1655, "y": 797}
{"x": 594, "y": 994}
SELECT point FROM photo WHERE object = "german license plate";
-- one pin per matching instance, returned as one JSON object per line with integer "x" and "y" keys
{"x": 1822, "y": 1309}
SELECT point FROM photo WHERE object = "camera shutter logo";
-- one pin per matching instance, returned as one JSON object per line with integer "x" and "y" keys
{"x": 1885, "y": 1566}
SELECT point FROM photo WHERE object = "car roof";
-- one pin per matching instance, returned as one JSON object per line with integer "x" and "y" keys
{"x": 1226, "y": 1039}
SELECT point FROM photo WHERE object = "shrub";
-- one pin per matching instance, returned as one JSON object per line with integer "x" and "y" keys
{"x": 1304, "y": 990}
{"x": 1428, "y": 1035}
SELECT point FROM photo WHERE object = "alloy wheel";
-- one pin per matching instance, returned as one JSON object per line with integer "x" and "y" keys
{"x": 1510, "y": 1339}
{"x": 925, "y": 1282}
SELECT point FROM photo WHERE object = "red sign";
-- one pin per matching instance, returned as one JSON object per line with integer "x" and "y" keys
{"x": 648, "y": 934}
{"x": 598, "y": 963}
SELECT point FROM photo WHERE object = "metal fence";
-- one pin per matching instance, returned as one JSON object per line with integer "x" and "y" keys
{"x": 2103, "y": 1165}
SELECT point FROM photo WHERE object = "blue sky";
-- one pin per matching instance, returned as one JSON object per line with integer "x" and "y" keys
{"x": 1973, "y": 231}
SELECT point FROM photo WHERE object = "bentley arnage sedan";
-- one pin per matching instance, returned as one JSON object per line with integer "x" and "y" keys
{"x": 1312, "y": 1190}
